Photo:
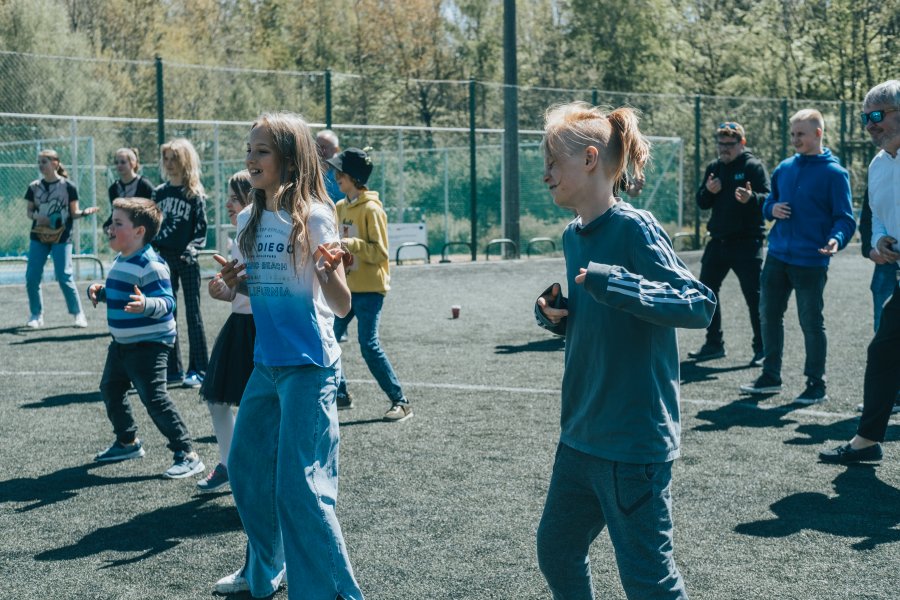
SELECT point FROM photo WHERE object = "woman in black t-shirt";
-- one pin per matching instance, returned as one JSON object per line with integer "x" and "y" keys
{"x": 130, "y": 184}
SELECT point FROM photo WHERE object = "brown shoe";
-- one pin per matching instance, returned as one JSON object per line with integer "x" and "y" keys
{"x": 398, "y": 412}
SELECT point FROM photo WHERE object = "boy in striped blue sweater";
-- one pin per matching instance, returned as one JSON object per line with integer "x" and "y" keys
{"x": 140, "y": 309}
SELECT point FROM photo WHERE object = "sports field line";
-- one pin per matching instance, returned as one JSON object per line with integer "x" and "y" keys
{"x": 503, "y": 389}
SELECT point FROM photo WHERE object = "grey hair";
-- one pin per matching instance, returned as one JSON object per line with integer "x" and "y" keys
{"x": 884, "y": 93}
{"x": 329, "y": 135}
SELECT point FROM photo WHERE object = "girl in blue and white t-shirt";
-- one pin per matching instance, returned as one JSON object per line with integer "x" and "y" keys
{"x": 283, "y": 464}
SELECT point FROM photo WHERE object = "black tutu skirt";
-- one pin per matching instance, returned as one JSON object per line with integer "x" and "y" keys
{"x": 231, "y": 361}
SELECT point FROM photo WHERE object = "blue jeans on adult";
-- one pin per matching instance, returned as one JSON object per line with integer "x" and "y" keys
{"x": 366, "y": 307}
{"x": 778, "y": 280}
{"x": 283, "y": 469}
{"x": 62, "y": 267}
{"x": 884, "y": 281}
{"x": 634, "y": 501}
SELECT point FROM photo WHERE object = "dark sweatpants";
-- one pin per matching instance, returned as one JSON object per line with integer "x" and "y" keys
{"x": 187, "y": 277}
{"x": 882, "y": 380}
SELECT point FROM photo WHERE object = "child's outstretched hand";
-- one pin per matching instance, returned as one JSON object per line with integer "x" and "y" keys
{"x": 231, "y": 272}
{"x": 218, "y": 289}
{"x": 546, "y": 302}
{"x": 327, "y": 261}
{"x": 94, "y": 293}
{"x": 138, "y": 302}
{"x": 581, "y": 275}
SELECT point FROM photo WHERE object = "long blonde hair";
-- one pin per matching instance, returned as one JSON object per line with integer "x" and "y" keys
{"x": 188, "y": 161}
{"x": 301, "y": 181}
{"x": 569, "y": 128}
{"x": 52, "y": 155}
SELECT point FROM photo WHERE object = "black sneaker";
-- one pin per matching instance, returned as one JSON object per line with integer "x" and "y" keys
{"x": 814, "y": 392}
{"x": 764, "y": 384}
{"x": 344, "y": 401}
{"x": 845, "y": 454}
{"x": 708, "y": 352}
{"x": 758, "y": 357}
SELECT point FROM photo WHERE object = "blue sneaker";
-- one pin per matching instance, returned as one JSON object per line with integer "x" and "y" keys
{"x": 119, "y": 451}
{"x": 215, "y": 481}
{"x": 184, "y": 465}
{"x": 193, "y": 379}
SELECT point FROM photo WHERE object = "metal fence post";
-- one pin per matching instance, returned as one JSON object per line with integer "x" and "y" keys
{"x": 845, "y": 159}
{"x": 327, "y": 98}
{"x": 160, "y": 103}
{"x": 595, "y": 97}
{"x": 697, "y": 175}
{"x": 473, "y": 173}
{"x": 784, "y": 128}
{"x": 220, "y": 193}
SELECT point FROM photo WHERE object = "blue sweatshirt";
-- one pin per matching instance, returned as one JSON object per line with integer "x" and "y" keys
{"x": 620, "y": 389}
{"x": 818, "y": 191}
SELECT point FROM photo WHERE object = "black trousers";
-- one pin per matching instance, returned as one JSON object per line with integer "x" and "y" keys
{"x": 144, "y": 364}
{"x": 882, "y": 380}
{"x": 744, "y": 257}
{"x": 186, "y": 276}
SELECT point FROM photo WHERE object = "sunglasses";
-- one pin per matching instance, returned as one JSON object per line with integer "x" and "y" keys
{"x": 876, "y": 116}
{"x": 729, "y": 125}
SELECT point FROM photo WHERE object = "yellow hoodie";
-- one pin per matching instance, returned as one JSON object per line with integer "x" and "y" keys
{"x": 362, "y": 225}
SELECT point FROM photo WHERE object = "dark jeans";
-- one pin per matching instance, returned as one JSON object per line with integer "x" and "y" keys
{"x": 588, "y": 494}
{"x": 744, "y": 257}
{"x": 779, "y": 279}
{"x": 882, "y": 380}
{"x": 144, "y": 364}
{"x": 366, "y": 307}
{"x": 187, "y": 276}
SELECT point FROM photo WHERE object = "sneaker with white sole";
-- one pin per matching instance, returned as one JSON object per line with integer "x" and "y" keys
{"x": 813, "y": 394}
{"x": 80, "y": 321}
{"x": 236, "y": 583}
{"x": 193, "y": 379}
{"x": 35, "y": 322}
{"x": 119, "y": 451}
{"x": 184, "y": 464}
{"x": 764, "y": 384}
{"x": 216, "y": 480}
{"x": 398, "y": 412}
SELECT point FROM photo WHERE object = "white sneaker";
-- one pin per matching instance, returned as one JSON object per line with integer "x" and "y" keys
{"x": 80, "y": 321}
{"x": 235, "y": 583}
{"x": 35, "y": 322}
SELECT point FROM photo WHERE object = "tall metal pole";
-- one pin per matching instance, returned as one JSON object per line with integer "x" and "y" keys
{"x": 327, "y": 98}
{"x": 697, "y": 175}
{"x": 473, "y": 173}
{"x": 160, "y": 103}
{"x": 510, "y": 126}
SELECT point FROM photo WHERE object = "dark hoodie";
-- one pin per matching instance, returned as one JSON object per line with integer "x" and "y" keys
{"x": 817, "y": 188}
{"x": 730, "y": 219}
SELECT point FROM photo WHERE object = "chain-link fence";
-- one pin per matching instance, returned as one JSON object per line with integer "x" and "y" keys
{"x": 422, "y": 132}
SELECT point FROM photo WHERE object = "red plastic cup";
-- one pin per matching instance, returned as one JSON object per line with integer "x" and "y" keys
{"x": 454, "y": 311}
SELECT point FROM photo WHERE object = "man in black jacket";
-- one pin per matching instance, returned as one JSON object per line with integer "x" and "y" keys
{"x": 735, "y": 186}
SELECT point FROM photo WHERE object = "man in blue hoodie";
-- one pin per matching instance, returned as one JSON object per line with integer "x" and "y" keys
{"x": 810, "y": 202}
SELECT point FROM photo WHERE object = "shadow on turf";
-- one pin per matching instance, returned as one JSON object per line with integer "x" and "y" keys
{"x": 153, "y": 532}
{"x": 75, "y": 337}
{"x": 546, "y": 345}
{"x": 746, "y": 412}
{"x": 58, "y": 486}
{"x": 864, "y": 507}
{"x": 65, "y": 399}
{"x": 838, "y": 432}
{"x": 693, "y": 371}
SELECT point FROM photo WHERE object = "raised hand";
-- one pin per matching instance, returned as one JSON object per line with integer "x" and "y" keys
{"x": 94, "y": 293}
{"x": 830, "y": 249}
{"x": 546, "y": 302}
{"x": 743, "y": 194}
{"x": 218, "y": 289}
{"x": 232, "y": 273}
{"x": 713, "y": 184}
{"x": 138, "y": 302}
{"x": 327, "y": 262}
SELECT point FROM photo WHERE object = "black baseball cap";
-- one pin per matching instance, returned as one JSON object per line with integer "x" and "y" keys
{"x": 354, "y": 162}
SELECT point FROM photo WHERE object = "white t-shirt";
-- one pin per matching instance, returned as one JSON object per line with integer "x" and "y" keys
{"x": 294, "y": 325}
{"x": 884, "y": 196}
